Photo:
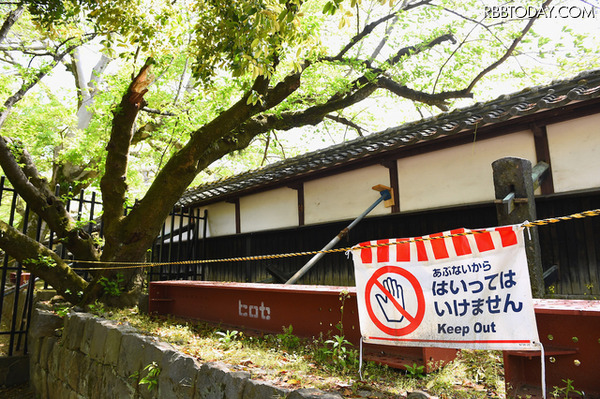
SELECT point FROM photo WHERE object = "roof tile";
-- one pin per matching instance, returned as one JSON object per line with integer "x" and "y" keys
{"x": 526, "y": 102}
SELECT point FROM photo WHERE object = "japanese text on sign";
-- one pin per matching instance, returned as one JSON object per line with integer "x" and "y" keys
{"x": 458, "y": 292}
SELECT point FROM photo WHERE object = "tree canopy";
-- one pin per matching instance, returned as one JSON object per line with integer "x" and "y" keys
{"x": 151, "y": 95}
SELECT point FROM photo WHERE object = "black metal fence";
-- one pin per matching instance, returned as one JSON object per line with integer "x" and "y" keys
{"x": 180, "y": 239}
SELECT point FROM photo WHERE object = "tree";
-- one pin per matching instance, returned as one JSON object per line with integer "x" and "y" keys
{"x": 237, "y": 71}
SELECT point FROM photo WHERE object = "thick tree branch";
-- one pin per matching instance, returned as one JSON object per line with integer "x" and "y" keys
{"x": 239, "y": 137}
{"x": 88, "y": 90}
{"x": 357, "y": 38}
{"x": 359, "y": 90}
{"x": 35, "y": 191}
{"x": 437, "y": 78}
{"x": 367, "y": 85}
{"x": 384, "y": 39}
{"x": 42, "y": 262}
{"x": 187, "y": 162}
{"x": 11, "y": 18}
{"x": 411, "y": 50}
{"x": 438, "y": 99}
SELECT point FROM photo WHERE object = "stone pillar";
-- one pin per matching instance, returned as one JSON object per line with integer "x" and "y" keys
{"x": 514, "y": 175}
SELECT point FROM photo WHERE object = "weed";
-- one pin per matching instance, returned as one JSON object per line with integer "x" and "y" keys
{"x": 344, "y": 294}
{"x": 97, "y": 308}
{"x": 176, "y": 334}
{"x": 287, "y": 339}
{"x": 151, "y": 377}
{"x": 565, "y": 391}
{"x": 314, "y": 364}
{"x": 415, "y": 371}
{"x": 341, "y": 355}
{"x": 62, "y": 310}
{"x": 112, "y": 287}
{"x": 483, "y": 367}
{"x": 227, "y": 337}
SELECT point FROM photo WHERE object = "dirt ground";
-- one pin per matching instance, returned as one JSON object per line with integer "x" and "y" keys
{"x": 17, "y": 392}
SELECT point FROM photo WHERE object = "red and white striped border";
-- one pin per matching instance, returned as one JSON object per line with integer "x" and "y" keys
{"x": 425, "y": 249}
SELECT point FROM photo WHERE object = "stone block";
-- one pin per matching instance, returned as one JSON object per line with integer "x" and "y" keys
{"x": 55, "y": 387}
{"x": 44, "y": 323}
{"x": 157, "y": 351}
{"x": 112, "y": 361}
{"x": 254, "y": 389}
{"x": 95, "y": 383}
{"x": 88, "y": 333}
{"x": 55, "y": 365}
{"x": 34, "y": 347}
{"x": 114, "y": 337}
{"x": 84, "y": 372}
{"x": 97, "y": 344}
{"x": 113, "y": 386}
{"x": 46, "y": 347}
{"x": 150, "y": 391}
{"x": 178, "y": 379}
{"x": 73, "y": 331}
{"x": 38, "y": 380}
{"x": 67, "y": 365}
{"x": 130, "y": 354}
{"x": 312, "y": 393}
{"x": 215, "y": 380}
{"x": 68, "y": 393}
{"x": 78, "y": 366}
{"x": 120, "y": 388}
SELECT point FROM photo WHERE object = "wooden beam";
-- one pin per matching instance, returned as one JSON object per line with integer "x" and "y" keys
{"x": 542, "y": 152}
{"x": 299, "y": 187}
{"x": 392, "y": 167}
{"x": 238, "y": 214}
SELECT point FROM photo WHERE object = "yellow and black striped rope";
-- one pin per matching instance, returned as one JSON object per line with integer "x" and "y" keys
{"x": 135, "y": 265}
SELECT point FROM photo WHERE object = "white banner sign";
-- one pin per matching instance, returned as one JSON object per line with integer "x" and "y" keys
{"x": 467, "y": 291}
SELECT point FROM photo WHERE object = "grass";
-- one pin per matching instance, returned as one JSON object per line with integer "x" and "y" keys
{"x": 331, "y": 365}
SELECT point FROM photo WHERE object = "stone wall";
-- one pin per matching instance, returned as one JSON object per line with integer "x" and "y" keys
{"x": 82, "y": 356}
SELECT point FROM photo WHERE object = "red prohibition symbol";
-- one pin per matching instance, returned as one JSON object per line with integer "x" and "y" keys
{"x": 414, "y": 320}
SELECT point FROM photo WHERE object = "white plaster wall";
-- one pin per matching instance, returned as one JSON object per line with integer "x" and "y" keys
{"x": 344, "y": 196}
{"x": 175, "y": 225}
{"x": 575, "y": 153}
{"x": 269, "y": 210}
{"x": 458, "y": 175}
{"x": 221, "y": 219}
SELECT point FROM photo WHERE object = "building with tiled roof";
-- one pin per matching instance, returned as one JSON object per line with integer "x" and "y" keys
{"x": 530, "y": 106}
{"x": 441, "y": 175}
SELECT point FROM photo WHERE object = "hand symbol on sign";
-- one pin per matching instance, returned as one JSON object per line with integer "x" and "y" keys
{"x": 390, "y": 311}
